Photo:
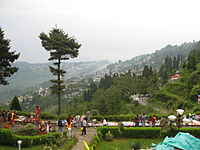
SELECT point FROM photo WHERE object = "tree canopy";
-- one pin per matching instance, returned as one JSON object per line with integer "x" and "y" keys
{"x": 61, "y": 47}
{"x": 6, "y": 59}
{"x": 15, "y": 104}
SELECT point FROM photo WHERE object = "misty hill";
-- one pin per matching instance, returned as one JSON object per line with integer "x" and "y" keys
{"x": 30, "y": 76}
{"x": 154, "y": 59}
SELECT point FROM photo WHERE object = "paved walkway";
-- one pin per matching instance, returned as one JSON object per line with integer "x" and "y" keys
{"x": 91, "y": 132}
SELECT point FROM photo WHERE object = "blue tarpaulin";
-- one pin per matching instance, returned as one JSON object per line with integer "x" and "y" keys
{"x": 183, "y": 141}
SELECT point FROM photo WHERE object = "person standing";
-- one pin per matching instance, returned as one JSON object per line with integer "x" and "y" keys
{"x": 88, "y": 115}
{"x": 48, "y": 127}
{"x": 137, "y": 121}
{"x": 42, "y": 128}
{"x": 77, "y": 119}
{"x": 153, "y": 121}
{"x": 13, "y": 115}
{"x": 179, "y": 121}
{"x": 162, "y": 122}
{"x": 37, "y": 113}
{"x": 69, "y": 126}
{"x": 84, "y": 125}
{"x": 60, "y": 125}
{"x": 143, "y": 120}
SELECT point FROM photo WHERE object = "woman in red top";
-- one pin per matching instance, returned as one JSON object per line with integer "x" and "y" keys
{"x": 153, "y": 121}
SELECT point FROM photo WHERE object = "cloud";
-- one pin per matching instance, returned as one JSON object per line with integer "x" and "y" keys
{"x": 114, "y": 29}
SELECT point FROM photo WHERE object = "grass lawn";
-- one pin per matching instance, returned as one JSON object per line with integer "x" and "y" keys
{"x": 124, "y": 144}
{"x": 38, "y": 147}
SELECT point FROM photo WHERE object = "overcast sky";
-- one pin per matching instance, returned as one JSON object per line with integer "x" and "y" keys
{"x": 107, "y": 29}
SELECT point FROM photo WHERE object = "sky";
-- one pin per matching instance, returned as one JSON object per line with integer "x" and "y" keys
{"x": 107, "y": 29}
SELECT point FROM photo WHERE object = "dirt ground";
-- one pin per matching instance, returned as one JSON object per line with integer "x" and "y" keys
{"x": 91, "y": 132}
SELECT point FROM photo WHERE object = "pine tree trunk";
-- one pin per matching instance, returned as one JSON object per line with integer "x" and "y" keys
{"x": 59, "y": 96}
{"x": 59, "y": 105}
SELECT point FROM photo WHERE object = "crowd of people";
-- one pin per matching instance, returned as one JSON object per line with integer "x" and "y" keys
{"x": 7, "y": 118}
{"x": 78, "y": 121}
{"x": 144, "y": 119}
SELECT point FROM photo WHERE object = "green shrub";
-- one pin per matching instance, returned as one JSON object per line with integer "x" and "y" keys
{"x": 27, "y": 141}
{"x": 42, "y": 115}
{"x": 115, "y": 131}
{"x": 47, "y": 116}
{"x": 69, "y": 144}
{"x": 169, "y": 133}
{"x": 28, "y": 129}
{"x": 9, "y": 138}
{"x": 144, "y": 132}
{"x": 6, "y": 137}
{"x": 29, "y": 126}
{"x": 99, "y": 134}
{"x": 193, "y": 131}
{"x": 95, "y": 112}
{"x": 136, "y": 145}
{"x": 95, "y": 141}
{"x": 141, "y": 132}
{"x": 108, "y": 136}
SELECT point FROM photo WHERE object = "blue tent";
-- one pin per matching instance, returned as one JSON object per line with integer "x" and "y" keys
{"x": 183, "y": 141}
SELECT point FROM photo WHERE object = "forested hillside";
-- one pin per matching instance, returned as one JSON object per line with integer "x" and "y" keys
{"x": 154, "y": 59}
{"x": 184, "y": 92}
{"x": 30, "y": 76}
{"x": 151, "y": 90}
{"x": 114, "y": 94}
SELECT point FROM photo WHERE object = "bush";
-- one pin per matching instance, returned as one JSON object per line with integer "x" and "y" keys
{"x": 99, "y": 134}
{"x": 135, "y": 145}
{"x": 193, "y": 131}
{"x": 47, "y": 116}
{"x": 140, "y": 132}
{"x": 115, "y": 131}
{"x": 61, "y": 142}
{"x": 95, "y": 141}
{"x": 8, "y": 138}
{"x": 42, "y": 115}
{"x": 108, "y": 136}
{"x": 144, "y": 132}
{"x": 29, "y": 126}
{"x": 28, "y": 129}
{"x": 95, "y": 112}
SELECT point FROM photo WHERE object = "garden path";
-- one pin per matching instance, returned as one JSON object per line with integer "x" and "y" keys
{"x": 91, "y": 132}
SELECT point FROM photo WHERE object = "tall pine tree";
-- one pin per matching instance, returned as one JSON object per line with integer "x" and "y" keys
{"x": 6, "y": 58}
{"x": 61, "y": 47}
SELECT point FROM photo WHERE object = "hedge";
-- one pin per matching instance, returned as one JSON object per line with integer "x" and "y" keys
{"x": 42, "y": 115}
{"x": 145, "y": 132}
{"x": 8, "y": 138}
{"x": 115, "y": 131}
{"x": 138, "y": 132}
